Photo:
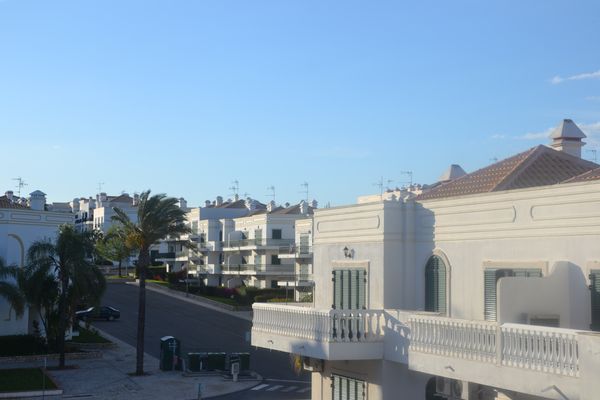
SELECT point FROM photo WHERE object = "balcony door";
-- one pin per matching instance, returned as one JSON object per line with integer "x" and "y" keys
{"x": 349, "y": 289}
{"x": 491, "y": 278}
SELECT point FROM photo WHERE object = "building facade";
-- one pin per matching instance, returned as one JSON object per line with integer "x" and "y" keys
{"x": 485, "y": 286}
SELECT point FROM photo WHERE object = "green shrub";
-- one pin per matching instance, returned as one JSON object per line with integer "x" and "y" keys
{"x": 21, "y": 345}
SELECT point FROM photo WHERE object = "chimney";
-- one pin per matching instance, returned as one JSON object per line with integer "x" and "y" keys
{"x": 314, "y": 203}
{"x": 236, "y": 197}
{"x": 182, "y": 203}
{"x": 206, "y": 203}
{"x": 303, "y": 207}
{"x": 37, "y": 200}
{"x": 250, "y": 204}
{"x": 136, "y": 200}
{"x": 75, "y": 205}
{"x": 287, "y": 205}
{"x": 271, "y": 206}
{"x": 568, "y": 137}
{"x": 219, "y": 200}
{"x": 9, "y": 195}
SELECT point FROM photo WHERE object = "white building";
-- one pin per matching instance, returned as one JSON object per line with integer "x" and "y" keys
{"x": 22, "y": 222}
{"x": 485, "y": 286}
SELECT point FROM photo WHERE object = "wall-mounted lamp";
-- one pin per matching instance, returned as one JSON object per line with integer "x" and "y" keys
{"x": 348, "y": 253}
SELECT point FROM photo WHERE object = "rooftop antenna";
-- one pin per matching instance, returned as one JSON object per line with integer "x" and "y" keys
{"x": 20, "y": 184}
{"x": 100, "y": 184}
{"x": 410, "y": 177}
{"x": 272, "y": 194}
{"x": 380, "y": 184}
{"x": 305, "y": 190}
{"x": 594, "y": 154}
{"x": 235, "y": 188}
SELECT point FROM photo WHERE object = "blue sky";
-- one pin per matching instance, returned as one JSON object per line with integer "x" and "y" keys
{"x": 184, "y": 97}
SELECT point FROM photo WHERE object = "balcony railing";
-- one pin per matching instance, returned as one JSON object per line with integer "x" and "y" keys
{"x": 319, "y": 325}
{"x": 275, "y": 269}
{"x": 551, "y": 350}
{"x": 262, "y": 242}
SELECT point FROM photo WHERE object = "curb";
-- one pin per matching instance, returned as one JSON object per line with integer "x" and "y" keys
{"x": 198, "y": 300}
{"x": 33, "y": 393}
{"x": 54, "y": 356}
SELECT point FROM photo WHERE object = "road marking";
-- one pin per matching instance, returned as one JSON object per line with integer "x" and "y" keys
{"x": 259, "y": 387}
{"x": 274, "y": 388}
{"x": 306, "y": 389}
{"x": 289, "y": 388}
{"x": 288, "y": 381}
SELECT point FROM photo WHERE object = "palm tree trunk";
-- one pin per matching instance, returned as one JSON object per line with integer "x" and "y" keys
{"x": 62, "y": 321}
{"x": 142, "y": 265}
{"x": 120, "y": 261}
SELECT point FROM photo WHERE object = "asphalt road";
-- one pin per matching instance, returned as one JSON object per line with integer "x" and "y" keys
{"x": 202, "y": 329}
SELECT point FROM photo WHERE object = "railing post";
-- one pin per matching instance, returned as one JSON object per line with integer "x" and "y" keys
{"x": 499, "y": 344}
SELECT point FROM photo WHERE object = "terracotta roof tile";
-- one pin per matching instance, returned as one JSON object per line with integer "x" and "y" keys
{"x": 5, "y": 203}
{"x": 592, "y": 175}
{"x": 538, "y": 166}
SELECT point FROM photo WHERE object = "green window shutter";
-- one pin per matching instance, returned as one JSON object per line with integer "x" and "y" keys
{"x": 335, "y": 392}
{"x": 595, "y": 298}
{"x": 337, "y": 289}
{"x": 435, "y": 285}
{"x": 361, "y": 299}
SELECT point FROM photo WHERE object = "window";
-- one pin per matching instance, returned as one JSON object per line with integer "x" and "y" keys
{"x": 491, "y": 277}
{"x": 275, "y": 260}
{"x": 304, "y": 244}
{"x": 258, "y": 236}
{"x": 276, "y": 234}
{"x": 344, "y": 388}
{"x": 595, "y": 296}
{"x": 435, "y": 285}
{"x": 274, "y": 285}
{"x": 349, "y": 289}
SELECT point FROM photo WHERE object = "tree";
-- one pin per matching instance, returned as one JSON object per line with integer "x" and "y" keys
{"x": 67, "y": 262}
{"x": 10, "y": 290}
{"x": 113, "y": 246}
{"x": 158, "y": 216}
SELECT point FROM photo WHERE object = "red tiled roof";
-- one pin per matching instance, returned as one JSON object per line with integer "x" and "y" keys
{"x": 5, "y": 203}
{"x": 538, "y": 166}
{"x": 592, "y": 175}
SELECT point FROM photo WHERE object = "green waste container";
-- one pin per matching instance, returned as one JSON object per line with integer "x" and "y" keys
{"x": 194, "y": 362}
{"x": 216, "y": 361}
{"x": 242, "y": 358}
{"x": 170, "y": 353}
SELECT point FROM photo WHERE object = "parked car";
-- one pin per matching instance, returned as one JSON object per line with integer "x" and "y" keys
{"x": 102, "y": 312}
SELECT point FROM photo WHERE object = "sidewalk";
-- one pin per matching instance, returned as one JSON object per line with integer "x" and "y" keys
{"x": 108, "y": 378}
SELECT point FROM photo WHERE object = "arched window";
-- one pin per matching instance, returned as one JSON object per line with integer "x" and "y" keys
{"x": 435, "y": 285}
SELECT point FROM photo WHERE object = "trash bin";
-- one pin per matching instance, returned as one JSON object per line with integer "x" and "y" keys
{"x": 170, "y": 353}
{"x": 242, "y": 358}
{"x": 194, "y": 362}
{"x": 216, "y": 361}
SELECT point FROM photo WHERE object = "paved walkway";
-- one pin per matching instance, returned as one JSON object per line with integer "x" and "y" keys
{"x": 108, "y": 378}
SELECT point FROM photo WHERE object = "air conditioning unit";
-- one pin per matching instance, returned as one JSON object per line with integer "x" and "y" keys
{"x": 550, "y": 320}
{"x": 450, "y": 388}
{"x": 312, "y": 364}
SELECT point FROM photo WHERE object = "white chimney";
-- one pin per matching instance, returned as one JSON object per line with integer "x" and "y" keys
{"x": 303, "y": 207}
{"x": 236, "y": 197}
{"x": 182, "y": 203}
{"x": 568, "y": 137}
{"x": 219, "y": 200}
{"x": 136, "y": 200}
{"x": 271, "y": 206}
{"x": 314, "y": 203}
{"x": 287, "y": 205}
{"x": 37, "y": 200}
{"x": 250, "y": 204}
{"x": 9, "y": 195}
{"x": 206, "y": 203}
{"x": 75, "y": 205}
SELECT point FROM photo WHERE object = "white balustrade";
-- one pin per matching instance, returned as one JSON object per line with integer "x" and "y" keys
{"x": 551, "y": 350}
{"x": 319, "y": 325}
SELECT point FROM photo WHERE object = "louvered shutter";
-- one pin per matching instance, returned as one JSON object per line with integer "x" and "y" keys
{"x": 304, "y": 244}
{"x": 441, "y": 286}
{"x": 489, "y": 278}
{"x": 352, "y": 389}
{"x": 336, "y": 392}
{"x": 595, "y": 297}
{"x": 361, "y": 283}
{"x": 435, "y": 285}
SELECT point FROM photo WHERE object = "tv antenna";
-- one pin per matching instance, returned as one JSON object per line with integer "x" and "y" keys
{"x": 235, "y": 188}
{"x": 410, "y": 177}
{"x": 100, "y": 184}
{"x": 246, "y": 195}
{"x": 305, "y": 190}
{"x": 594, "y": 154}
{"x": 20, "y": 184}
{"x": 381, "y": 184}
{"x": 272, "y": 194}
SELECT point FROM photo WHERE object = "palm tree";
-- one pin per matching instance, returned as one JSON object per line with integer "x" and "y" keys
{"x": 68, "y": 261}
{"x": 9, "y": 290}
{"x": 113, "y": 246}
{"x": 158, "y": 216}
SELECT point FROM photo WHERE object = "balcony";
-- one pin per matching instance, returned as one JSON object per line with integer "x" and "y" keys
{"x": 296, "y": 252}
{"x": 258, "y": 244}
{"x": 259, "y": 269}
{"x": 172, "y": 256}
{"x": 323, "y": 334}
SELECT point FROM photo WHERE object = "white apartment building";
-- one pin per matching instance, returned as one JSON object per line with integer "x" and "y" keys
{"x": 22, "y": 222}
{"x": 252, "y": 246}
{"x": 484, "y": 286}
{"x": 302, "y": 256}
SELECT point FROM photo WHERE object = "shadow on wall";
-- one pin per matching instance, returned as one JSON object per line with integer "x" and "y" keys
{"x": 562, "y": 296}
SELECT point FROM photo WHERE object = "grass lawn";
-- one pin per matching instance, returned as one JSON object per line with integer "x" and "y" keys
{"x": 87, "y": 336}
{"x": 23, "y": 379}
{"x": 223, "y": 300}
{"x": 162, "y": 283}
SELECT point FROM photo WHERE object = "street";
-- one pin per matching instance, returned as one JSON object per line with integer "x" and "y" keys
{"x": 201, "y": 329}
